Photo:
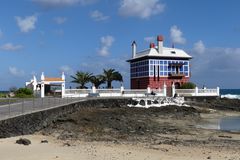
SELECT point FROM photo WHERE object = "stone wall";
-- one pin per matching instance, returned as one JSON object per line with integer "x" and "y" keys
{"x": 30, "y": 123}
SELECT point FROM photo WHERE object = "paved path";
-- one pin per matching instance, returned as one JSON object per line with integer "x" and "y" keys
{"x": 15, "y": 107}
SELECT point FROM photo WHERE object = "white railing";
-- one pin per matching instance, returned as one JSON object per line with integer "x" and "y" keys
{"x": 112, "y": 92}
{"x": 109, "y": 92}
{"x": 77, "y": 92}
{"x": 197, "y": 92}
{"x": 185, "y": 92}
{"x": 203, "y": 92}
{"x": 121, "y": 92}
{"x": 134, "y": 92}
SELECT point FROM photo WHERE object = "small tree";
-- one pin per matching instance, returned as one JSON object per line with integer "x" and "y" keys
{"x": 188, "y": 85}
{"x": 111, "y": 75}
{"x": 82, "y": 78}
{"x": 97, "y": 80}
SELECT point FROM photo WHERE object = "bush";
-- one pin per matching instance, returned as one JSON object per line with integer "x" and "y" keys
{"x": 188, "y": 85}
{"x": 24, "y": 93}
{"x": 3, "y": 95}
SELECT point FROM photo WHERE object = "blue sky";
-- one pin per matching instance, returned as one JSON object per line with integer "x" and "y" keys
{"x": 52, "y": 36}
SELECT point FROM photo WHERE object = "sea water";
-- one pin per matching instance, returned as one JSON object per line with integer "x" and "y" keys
{"x": 230, "y": 123}
{"x": 230, "y": 93}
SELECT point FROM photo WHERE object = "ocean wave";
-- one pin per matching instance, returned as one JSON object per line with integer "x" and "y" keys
{"x": 231, "y": 96}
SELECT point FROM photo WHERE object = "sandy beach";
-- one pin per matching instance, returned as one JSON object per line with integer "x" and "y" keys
{"x": 57, "y": 149}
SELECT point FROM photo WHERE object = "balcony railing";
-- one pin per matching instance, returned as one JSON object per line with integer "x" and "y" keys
{"x": 176, "y": 75}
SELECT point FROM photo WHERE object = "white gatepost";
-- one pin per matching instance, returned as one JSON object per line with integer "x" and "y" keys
{"x": 42, "y": 85}
{"x": 42, "y": 90}
{"x": 63, "y": 85}
{"x": 34, "y": 83}
{"x": 94, "y": 90}
{"x": 173, "y": 90}
{"x": 63, "y": 89}
{"x": 196, "y": 91}
{"x": 218, "y": 91}
{"x": 148, "y": 90}
{"x": 164, "y": 90}
{"x": 122, "y": 90}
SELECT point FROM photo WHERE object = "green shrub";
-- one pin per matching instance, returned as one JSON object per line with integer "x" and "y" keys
{"x": 2, "y": 95}
{"x": 188, "y": 85}
{"x": 24, "y": 93}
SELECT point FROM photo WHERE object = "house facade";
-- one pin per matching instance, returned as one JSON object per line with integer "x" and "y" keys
{"x": 159, "y": 65}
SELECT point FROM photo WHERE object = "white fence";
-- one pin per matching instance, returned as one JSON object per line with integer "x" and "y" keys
{"x": 77, "y": 92}
{"x": 197, "y": 92}
{"x": 120, "y": 92}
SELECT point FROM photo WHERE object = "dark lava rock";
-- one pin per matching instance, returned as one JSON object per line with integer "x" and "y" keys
{"x": 23, "y": 141}
{"x": 44, "y": 141}
{"x": 122, "y": 123}
{"x": 219, "y": 104}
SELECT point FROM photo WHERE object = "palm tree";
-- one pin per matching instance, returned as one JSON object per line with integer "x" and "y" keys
{"x": 97, "y": 80}
{"x": 82, "y": 78}
{"x": 111, "y": 75}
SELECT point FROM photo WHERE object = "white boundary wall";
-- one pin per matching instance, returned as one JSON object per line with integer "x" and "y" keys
{"x": 198, "y": 92}
{"x": 121, "y": 92}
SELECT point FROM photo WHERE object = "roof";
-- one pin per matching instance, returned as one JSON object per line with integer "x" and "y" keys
{"x": 52, "y": 79}
{"x": 167, "y": 53}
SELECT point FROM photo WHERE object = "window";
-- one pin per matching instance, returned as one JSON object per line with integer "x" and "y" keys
{"x": 181, "y": 68}
{"x": 151, "y": 68}
{"x": 165, "y": 68}
{"x": 161, "y": 68}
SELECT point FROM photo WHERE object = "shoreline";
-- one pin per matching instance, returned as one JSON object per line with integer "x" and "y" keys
{"x": 119, "y": 132}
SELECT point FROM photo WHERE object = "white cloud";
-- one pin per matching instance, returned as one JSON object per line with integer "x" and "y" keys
{"x": 60, "y": 20}
{"x": 98, "y": 16}
{"x": 67, "y": 70}
{"x": 11, "y": 47}
{"x": 140, "y": 8}
{"x": 217, "y": 67}
{"x": 26, "y": 24}
{"x": 149, "y": 39}
{"x": 106, "y": 43}
{"x": 62, "y": 3}
{"x": 199, "y": 47}
{"x": 177, "y": 35}
{"x": 16, "y": 72}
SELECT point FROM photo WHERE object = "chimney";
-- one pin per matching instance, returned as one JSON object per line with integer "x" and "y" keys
{"x": 134, "y": 49}
{"x": 152, "y": 45}
{"x": 160, "y": 44}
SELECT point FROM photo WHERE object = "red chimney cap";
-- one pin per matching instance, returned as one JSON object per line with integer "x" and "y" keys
{"x": 160, "y": 38}
{"x": 152, "y": 45}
